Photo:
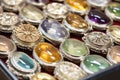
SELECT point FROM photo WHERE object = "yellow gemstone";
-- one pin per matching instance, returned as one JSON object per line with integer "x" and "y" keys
{"x": 76, "y": 21}
{"x": 42, "y": 76}
{"x": 78, "y": 4}
{"x": 47, "y": 52}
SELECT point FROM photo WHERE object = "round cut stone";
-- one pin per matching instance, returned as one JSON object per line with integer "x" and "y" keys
{"x": 54, "y": 30}
{"x": 32, "y": 13}
{"x": 47, "y": 52}
{"x": 95, "y": 63}
{"x": 98, "y": 17}
{"x": 78, "y": 4}
{"x": 115, "y": 53}
{"x": 75, "y": 47}
{"x": 76, "y": 21}
{"x": 23, "y": 61}
{"x": 114, "y": 8}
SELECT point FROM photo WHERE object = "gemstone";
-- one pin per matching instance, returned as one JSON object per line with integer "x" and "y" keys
{"x": 40, "y": 1}
{"x": 42, "y": 76}
{"x": 55, "y": 10}
{"x": 98, "y": 17}
{"x": 6, "y": 45}
{"x": 115, "y": 32}
{"x": 54, "y": 30}
{"x": 78, "y": 4}
{"x": 47, "y": 52}
{"x": 115, "y": 53}
{"x": 99, "y": 3}
{"x": 32, "y": 14}
{"x": 13, "y": 2}
{"x": 8, "y": 19}
{"x": 76, "y": 21}
{"x": 68, "y": 71}
{"x": 95, "y": 63}
{"x": 22, "y": 60}
{"x": 74, "y": 47}
{"x": 27, "y": 33}
{"x": 114, "y": 8}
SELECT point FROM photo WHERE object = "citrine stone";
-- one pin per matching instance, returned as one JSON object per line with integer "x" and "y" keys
{"x": 78, "y": 4}
{"x": 32, "y": 13}
{"x": 76, "y": 21}
{"x": 74, "y": 47}
{"x": 114, "y": 8}
{"x": 98, "y": 17}
{"x": 23, "y": 60}
{"x": 47, "y": 52}
{"x": 54, "y": 30}
{"x": 42, "y": 76}
{"x": 95, "y": 63}
{"x": 115, "y": 53}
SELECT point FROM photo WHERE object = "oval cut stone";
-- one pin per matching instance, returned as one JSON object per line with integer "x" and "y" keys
{"x": 115, "y": 53}
{"x": 76, "y": 21}
{"x": 47, "y": 52}
{"x": 114, "y": 8}
{"x": 24, "y": 61}
{"x": 32, "y": 13}
{"x": 78, "y": 4}
{"x": 95, "y": 63}
{"x": 54, "y": 30}
{"x": 74, "y": 47}
{"x": 98, "y": 17}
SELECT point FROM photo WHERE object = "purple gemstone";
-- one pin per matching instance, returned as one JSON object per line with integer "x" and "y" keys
{"x": 54, "y": 29}
{"x": 98, "y": 17}
{"x": 39, "y": 1}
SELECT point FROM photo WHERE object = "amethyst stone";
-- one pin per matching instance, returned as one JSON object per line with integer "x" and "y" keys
{"x": 54, "y": 30}
{"x": 98, "y": 17}
{"x": 40, "y": 1}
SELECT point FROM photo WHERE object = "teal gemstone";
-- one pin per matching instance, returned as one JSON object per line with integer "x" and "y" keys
{"x": 114, "y": 8}
{"x": 95, "y": 63}
{"x": 74, "y": 47}
{"x": 24, "y": 61}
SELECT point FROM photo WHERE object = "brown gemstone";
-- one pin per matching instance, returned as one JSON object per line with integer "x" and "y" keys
{"x": 115, "y": 53}
{"x": 76, "y": 21}
{"x": 47, "y": 52}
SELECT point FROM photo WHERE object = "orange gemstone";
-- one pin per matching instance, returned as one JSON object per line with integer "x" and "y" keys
{"x": 78, "y": 4}
{"x": 47, "y": 52}
{"x": 76, "y": 21}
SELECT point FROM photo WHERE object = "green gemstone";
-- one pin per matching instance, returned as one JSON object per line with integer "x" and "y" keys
{"x": 74, "y": 47}
{"x": 114, "y": 8}
{"x": 95, "y": 63}
{"x": 24, "y": 61}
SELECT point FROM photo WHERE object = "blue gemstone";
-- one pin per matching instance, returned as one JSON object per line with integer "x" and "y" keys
{"x": 24, "y": 61}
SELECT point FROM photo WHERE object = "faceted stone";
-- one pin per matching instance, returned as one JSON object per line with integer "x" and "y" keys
{"x": 42, "y": 76}
{"x": 95, "y": 63}
{"x": 115, "y": 53}
{"x": 54, "y": 30}
{"x": 23, "y": 60}
{"x": 32, "y": 13}
{"x": 114, "y": 8}
{"x": 98, "y": 17}
{"x": 115, "y": 32}
{"x": 76, "y": 21}
{"x": 47, "y": 52}
{"x": 74, "y": 47}
{"x": 78, "y": 4}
